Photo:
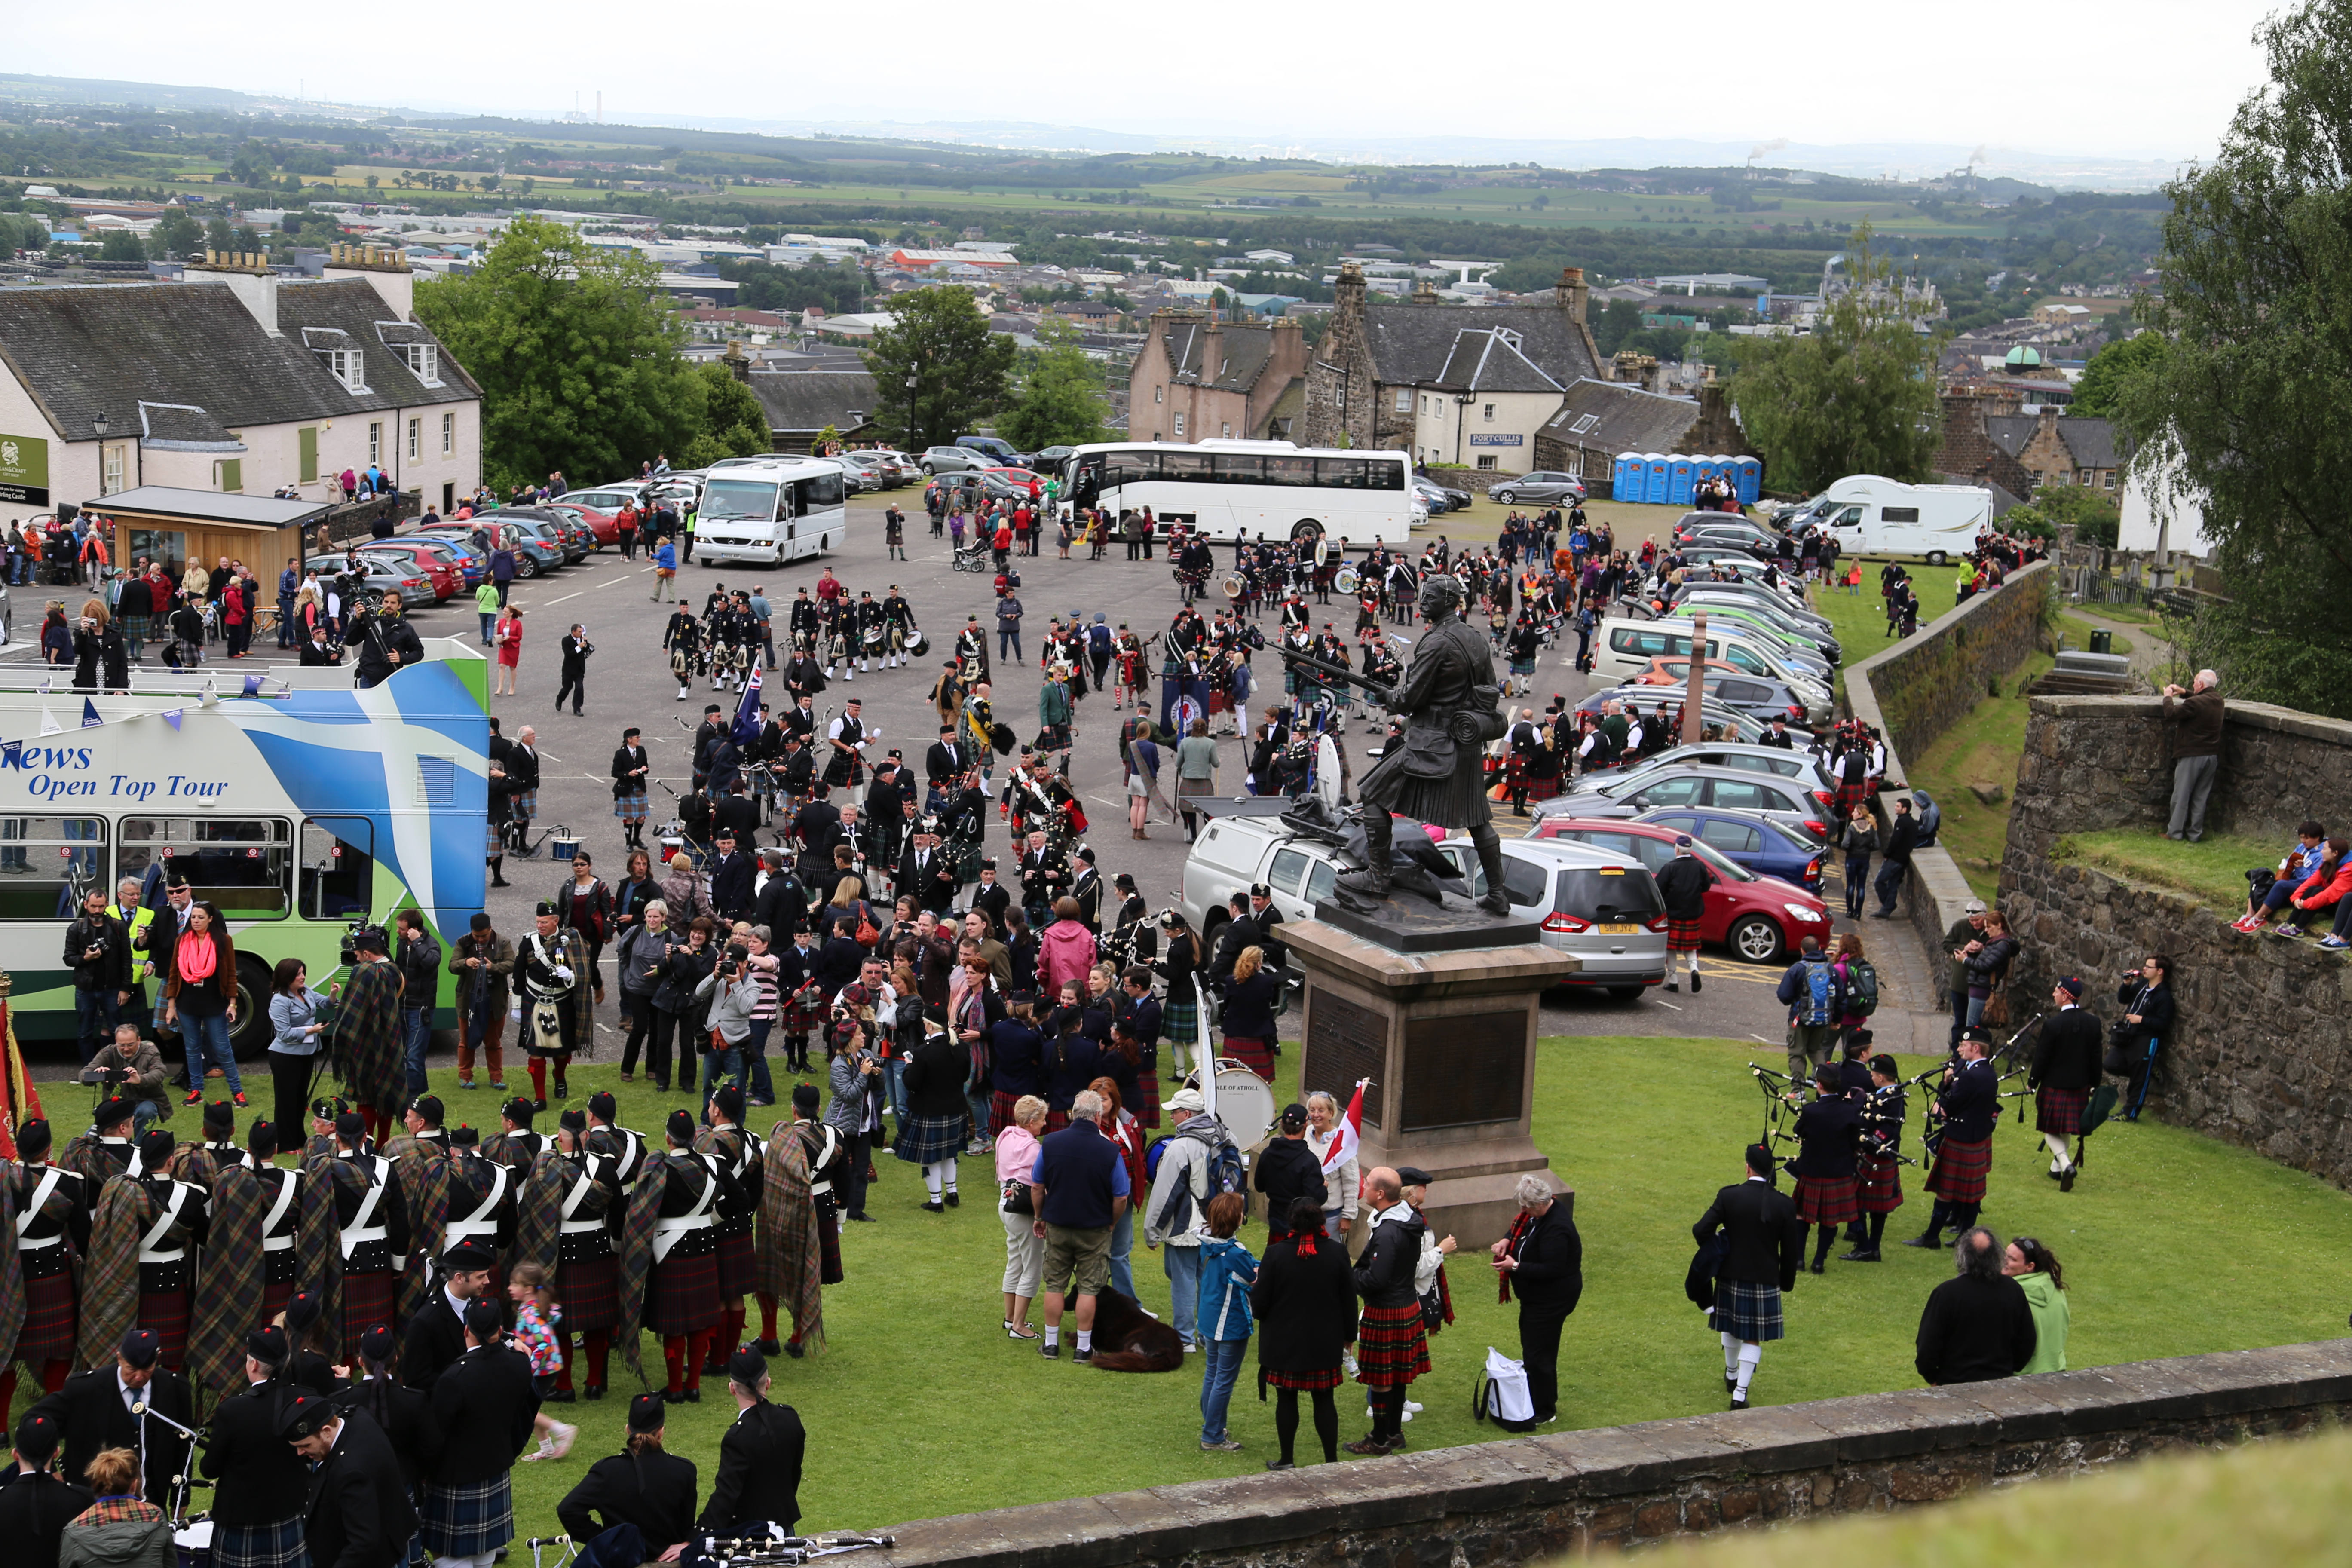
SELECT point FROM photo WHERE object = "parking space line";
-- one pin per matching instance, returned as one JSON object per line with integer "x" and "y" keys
{"x": 566, "y": 596}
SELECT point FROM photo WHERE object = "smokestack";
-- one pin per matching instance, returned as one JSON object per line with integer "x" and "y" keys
{"x": 1573, "y": 294}
{"x": 600, "y": 106}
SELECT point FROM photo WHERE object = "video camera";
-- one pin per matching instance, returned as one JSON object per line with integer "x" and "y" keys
{"x": 348, "y": 946}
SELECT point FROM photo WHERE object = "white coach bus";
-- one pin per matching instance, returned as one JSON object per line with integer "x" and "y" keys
{"x": 765, "y": 512}
{"x": 1231, "y": 489}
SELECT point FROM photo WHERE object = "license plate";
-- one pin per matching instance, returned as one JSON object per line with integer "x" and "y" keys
{"x": 1617, "y": 929}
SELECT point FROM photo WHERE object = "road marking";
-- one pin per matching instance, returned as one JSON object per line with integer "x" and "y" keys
{"x": 1663, "y": 1003}
{"x": 1760, "y": 1039}
{"x": 553, "y": 602}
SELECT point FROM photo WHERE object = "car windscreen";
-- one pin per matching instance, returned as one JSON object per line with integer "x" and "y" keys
{"x": 1604, "y": 894}
{"x": 740, "y": 500}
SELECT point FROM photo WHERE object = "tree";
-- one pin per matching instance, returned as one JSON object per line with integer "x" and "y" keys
{"x": 2243, "y": 407}
{"x": 1857, "y": 395}
{"x": 575, "y": 348}
{"x": 2097, "y": 394}
{"x": 1058, "y": 400}
{"x": 177, "y": 236}
{"x": 734, "y": 421}
{"x": 938, "y": 338}
{"x": 218, "y": 235}
{"x": 120, "y": 245}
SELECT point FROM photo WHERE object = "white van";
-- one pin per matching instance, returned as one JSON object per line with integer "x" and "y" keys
{"x": 1871, "y": 516}
{"x": 1622, "y": 650}
{"x": 767, "y": 511}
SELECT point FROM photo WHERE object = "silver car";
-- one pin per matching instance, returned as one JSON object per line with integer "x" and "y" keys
{"x": 1603, "y": 907}
{"x": 1791, "y": 802}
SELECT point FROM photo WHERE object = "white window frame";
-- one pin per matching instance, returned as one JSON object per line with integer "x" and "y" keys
{"x": 1404, "y": 400}
{"x": 448, "y": 433}
{"x": 416, "y": 438}
{"x": 1490, "y": 414}
{"x": 1180, "y": 426}
{"x": 1225, "y": 430}
{"x": 113, "y": 468}
{"x": 348, "y": 366}
{"x": 375, "y": 443}
{"x": 424, "y": 361}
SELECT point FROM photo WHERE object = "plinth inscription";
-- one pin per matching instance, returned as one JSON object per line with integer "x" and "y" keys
{"x": 1466, "y": 1069}
{"x": 1345, "y": 1041}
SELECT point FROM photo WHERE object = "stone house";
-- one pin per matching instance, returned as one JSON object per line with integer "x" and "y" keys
{"x": 1198, "y": 379}
{"x": 801, "y": 404}
{"x": 1599, "y": 419}
{"x": 1989, "y": 438}
{"x": 1484, "y": 406}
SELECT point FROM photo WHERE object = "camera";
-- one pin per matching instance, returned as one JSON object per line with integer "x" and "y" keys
{"x": 349, "y": 944}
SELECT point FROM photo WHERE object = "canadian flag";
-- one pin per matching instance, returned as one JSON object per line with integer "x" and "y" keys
{"x": 1351, "y": 1131}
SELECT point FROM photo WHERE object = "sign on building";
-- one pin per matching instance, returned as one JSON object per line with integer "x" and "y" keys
{"x": 24, "y": 470}
{"x": 1497, "y": 440}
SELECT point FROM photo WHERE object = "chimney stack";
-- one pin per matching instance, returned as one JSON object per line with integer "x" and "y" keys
{"x": 1572, "y": 293}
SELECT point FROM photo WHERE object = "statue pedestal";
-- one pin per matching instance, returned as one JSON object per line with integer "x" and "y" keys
{"x": 1447, "y": 1036}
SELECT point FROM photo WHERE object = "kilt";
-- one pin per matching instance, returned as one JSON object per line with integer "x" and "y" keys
{"x": 803, "y": 1012}
{"x": 166, "y": 1312}
{"x": 1958, "y": 1176}
{"x": 1749, "y": 1313}
{"x": 1256, "y": 1054}
{"x": 1329, "y": 1377}
{"x": 1850, "y": 797}
{"x": 1000, "y": 1110}
{"x": 682, "y": 1295}
{"x": 590, "y": 1289}
{"x": 828, "y": 1245}
{"x": 279, "y": 1545}
{"x": 1682, "y": 936}
{"x": 2060, "y": 1111}
{"x": 1827, "y": 1200}
{"x": 50, "y": 1319}
{"x": 1146, "y": 1109}
{"x": 1056, "y": 1120}
{"x": 368, "y": 1300}
{"x": 629, "y": 803}
{"x": 468, "y": 1518}
{"x": 739, "y": 1274}
{"x": 1392, "y": 1347}
{"x": 924, "y": 1140}
{"x": 1523, "y": 667}
{"x": 525, "y": 803}
{"x": 136, "y": 629}
{"x": 275, "y": 1294}
{"x": 1541, "y": 788}
{"x": 1180, "y": 1022}
{"x": 492, "y": 843}
{"x": 1879, "y": 1184}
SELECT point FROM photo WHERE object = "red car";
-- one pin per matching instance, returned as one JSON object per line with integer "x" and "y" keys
{"x": 605, "y": 525}
{"x": 1760, "y": 919}
{"x": 427, "y": 562}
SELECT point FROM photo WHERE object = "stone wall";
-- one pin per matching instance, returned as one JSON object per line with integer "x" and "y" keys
{"x": 2099, "y": 762}
{"x": 1492, "y": 1505}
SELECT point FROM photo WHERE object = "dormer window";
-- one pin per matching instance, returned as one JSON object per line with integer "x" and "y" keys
{"x": 348, "y": 366}
{"x": 424, "y": 361}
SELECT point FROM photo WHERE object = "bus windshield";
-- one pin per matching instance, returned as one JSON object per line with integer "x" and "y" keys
{"x": 739, "y": 500}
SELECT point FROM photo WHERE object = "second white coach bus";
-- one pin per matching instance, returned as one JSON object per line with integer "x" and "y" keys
{"x": 1245, "y": 489}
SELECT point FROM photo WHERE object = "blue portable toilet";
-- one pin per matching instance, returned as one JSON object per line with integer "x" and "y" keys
{"x": 1751, "y": 479}
{"x": 1625, "y": 477}
{"x": 1655, "y": 477}
{"x": 1679, "y": 479}
{"x": 1704, "y": 470}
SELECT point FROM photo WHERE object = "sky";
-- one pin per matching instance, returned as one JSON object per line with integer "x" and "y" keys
{"x": 2127, "y": 78}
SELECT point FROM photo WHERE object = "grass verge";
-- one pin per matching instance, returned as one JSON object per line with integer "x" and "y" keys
{"x": 2213, "y": 868}
{"x": 1645, "y": 1128}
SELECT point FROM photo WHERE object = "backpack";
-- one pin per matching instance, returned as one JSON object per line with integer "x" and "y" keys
{"x": 1817, "y": 989}
{"x": 1222, "y": 1171}
{"x": 1861, "y": 986}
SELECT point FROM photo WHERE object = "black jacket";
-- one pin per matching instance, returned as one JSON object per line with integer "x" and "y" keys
{"x": 1972, "y": 1103}
{"x": 388, "y": 636}
{"x": 1286, "y": 1171}
{"x": 2067, "y": 1053}
{"x": 435, "y": 1338}
{"x": 653, "y": 1491}
{"x": 262, "y": 1480}
{"x": 111, "y": 970}
{"x": 759, "y": 1470}
{"x": 935, "y": 1078}
{"x": 1550, "y": 1275}
{"x": 2152, "y": 1003}
{"x": 932, "y": 885}
{"x": 1383, "y": 1276}
{"x": 1902, "y": 838}
{"x": 781, "y": 905}
{"x": 360, "y": 1515}
{"x": 34, "y": 1511}
{"x": 90, "y": 1411}
{"x": 1763, "y": 1242}
{"x": 731, "y": 884}
{"x": 1683, "y": 883}
{"x": 1972, "y": 1330}
{"x": 1305, "y": 1306}
{"x": 405, "y": 1417}
{"x": 483, "y": 1405}
{"x": 1828, "y": 1132}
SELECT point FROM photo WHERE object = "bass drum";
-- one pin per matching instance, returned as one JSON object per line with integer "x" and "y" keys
{"x": 919, "y": 644}
{"x": 1345, "y": 580}
{"x": 1244, "y": 1103}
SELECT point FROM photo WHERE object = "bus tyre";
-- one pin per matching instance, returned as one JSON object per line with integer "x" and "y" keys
{"x": 251, "y": 1037}
{"x": 1307, "y": 528}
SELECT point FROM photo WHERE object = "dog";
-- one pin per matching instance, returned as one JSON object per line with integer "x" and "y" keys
{"x": 1129, "y": 1339}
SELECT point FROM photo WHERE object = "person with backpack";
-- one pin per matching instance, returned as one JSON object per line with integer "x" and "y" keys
{"x": 1683, "y": 885}
{"x": 1190, "y": 1166}
{"x": 1857, "y": 980}
{"x": 1810, "y": 990}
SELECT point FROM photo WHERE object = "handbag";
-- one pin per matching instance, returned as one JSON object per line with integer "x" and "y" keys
{"x": 1015, "y": 1198}
{"x": 1499, "y": 1392}
{"x": 1996, "y": 1010}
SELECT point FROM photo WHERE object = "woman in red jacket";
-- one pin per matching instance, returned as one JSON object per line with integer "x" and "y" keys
{"x": 2317, "y": 898}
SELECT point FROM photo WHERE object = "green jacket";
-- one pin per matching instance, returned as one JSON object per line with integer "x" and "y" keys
{"x": 2050, "y": 1314}
{"x": 1053, "y": 703}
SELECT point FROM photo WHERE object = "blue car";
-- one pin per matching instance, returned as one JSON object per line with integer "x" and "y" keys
{"x": 1762, "y": 846}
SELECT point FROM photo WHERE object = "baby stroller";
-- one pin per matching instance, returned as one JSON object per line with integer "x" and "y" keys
{"x": 972, "y": 555}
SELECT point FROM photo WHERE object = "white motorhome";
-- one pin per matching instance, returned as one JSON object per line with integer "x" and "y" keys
{"x": 1868, "y": 515}
{"x": 771, "y": 511}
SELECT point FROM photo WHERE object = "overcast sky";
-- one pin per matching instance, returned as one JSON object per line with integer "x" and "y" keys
{"x": 2147, "y": 79}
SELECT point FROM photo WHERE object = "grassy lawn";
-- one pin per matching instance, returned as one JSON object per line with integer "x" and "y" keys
{"x": 1646, "y": 1130}
{"x": 1861, "y": 617}
{"x": 2214, "y": 868}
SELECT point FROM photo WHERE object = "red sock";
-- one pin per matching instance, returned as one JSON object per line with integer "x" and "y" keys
{"x": 674, "y": 1359}
{"x": 600, "y": 1349}
{"x": 563, "y": 1378}
{"x": 539, "y": 1077}
{"x": 8, "y": 1395}
{"x": 698, "y": 1350}
{"x": 730, "y": 1330}
{"x": 767, "y": 1316}
{"x": 383, "y": 1125}
{"x": 53, "y": 1375}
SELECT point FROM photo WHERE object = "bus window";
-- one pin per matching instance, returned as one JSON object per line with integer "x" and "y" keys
{"x": 239, "y": 863}
{"x": 814, "y": 495}
{"x": 1130, "y": 468}
{"x": 1384, "y": 476}
{"x": 1235, "y": 470}
{"x": 1290, "y": 471}
{"x": 1186, "y": 465}
{"x": 36, "y": 849}
{"x": 1341, "y": 473}
{"x": 338, "y": 868}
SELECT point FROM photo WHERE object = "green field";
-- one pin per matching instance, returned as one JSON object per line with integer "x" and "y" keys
{"x": 918, "y": 1375}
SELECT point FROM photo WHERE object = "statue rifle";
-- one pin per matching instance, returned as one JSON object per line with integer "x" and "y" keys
{"x": 1380, "y": 690}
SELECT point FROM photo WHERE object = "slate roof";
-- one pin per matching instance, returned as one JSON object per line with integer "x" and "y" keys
{"x": 805, "y": 402}
{"x": 85, "y": 350}
{"x": 1242, "y": 354}
{"x": 1410, "y": 343}
{"x": 1487, "y": 361}
{"x": 2090, "y": 442}
{"x": 1625, "y": 418}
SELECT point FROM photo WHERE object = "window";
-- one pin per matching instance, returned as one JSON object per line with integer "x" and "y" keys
{"x": 1289, "y": 865}
{"x": 1320, "y": 880}
{"x": 1343, "y": 473}
{"x": 1583, "y": 424}
{"x": 338, "y": 867}
{"x": 35, "y": 848}
{"x": 1180, "y": 425}
{"x": 448, "y": 433}
{"x": 1524, "y": 880}
{"x": 425, "y": 361}
{"x": 113, "y": 463}
{"x": 1225, "y": 430}
{"x": 240, "y": 865}
{"x": 229, "y": 473}
{"x": 1671, "y": 792}
{"x": 348, "y": 366}
{"x": 1732, "y": 837}
{"x": 1238, "y": 470}
{"x": 1898, "y": 514}
{"x": 1486, "y": 461}
{"x": 1490, "y": 412}
{"x": 1290, "y": 471}
{"x": 2111, "y": 478}
{"x": 306, "y": 442}
{"x": 1742, "y": 795}
{"x": 1403, "y": 400}
{"x": 416, "y": 439}
{"x": 1157, "y": 393}
{"x": 375, "y": 441}
{"x": 1745, "y": 661}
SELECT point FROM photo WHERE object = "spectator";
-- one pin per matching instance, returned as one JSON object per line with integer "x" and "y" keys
{"x": 2295, "y": 868}
{"x": 1305, "y": 1307}
{"x": 1080, "y": 1189}
{"x": 134, "y": 1070}
{"x": 1901, "y": 839}
{"x": 2035, "y": 1268}
{"x": 1969, "y": 928}
{"x": 2147, "y": 997}
{"x": 1171, "y": 1225}
{"x": 1813, "y": 992}
{"x": 1985, "y": 961}
{"x": 1339, "y": 1181}
{"x": 1066, "y": 950}
{"x": 1860, "y": 841}
{"x": 1024, "y": 1249}
{"x": 2193, "y": 726}
{"x": 121, "y": 1528}
{"x": 1227, "y": 1274}
{"x": 1286, "y": 1171}
{"x": 1979, "y": 1325}
{"x": 1008, "y": 618}
{"x": 1542, "y": 1262}
{"x": 419, "y": 958}
{"x": 2321, "y": 894}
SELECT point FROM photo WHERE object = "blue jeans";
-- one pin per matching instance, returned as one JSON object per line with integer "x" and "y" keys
{"x": 1123, "y": 1245}
{"x": 1008, "y": 643}
{"x": 417, "y": 1030}
{"x": 1857, "y": 880}
{"x": 727, "y": 1062}
{"x": 757, "y": 1085}
{"x": 1182, "y": 1265}
{"x": 286, "y": 622}
{"x": 1890, "y": 884}
{"x": 975, "y": 1100}
{"x": 143, "y": 1114}
{"x": 206, "y": 1042}
{"x": 490, "y": 626}
{"x": 894, "y": 1075}
{"x": 95, "y": 1014}
{"x": 1221, "y": 1363}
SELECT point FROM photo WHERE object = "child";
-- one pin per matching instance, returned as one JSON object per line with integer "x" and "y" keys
{"x": 1227, "y": 1272}
{"x": 536, "y": 1315}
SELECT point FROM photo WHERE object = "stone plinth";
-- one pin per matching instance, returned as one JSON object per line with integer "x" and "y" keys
{"x": 1448, "y": 1040}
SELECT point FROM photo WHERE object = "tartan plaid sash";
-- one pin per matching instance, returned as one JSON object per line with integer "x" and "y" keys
{"x": 228, "y": 1298}
{"x": 111, "y": 1278}
{"x": 538, "y": 1211}
{"x": 13, "y": 1305}
{"x": 365, "y": 1045}
{"x": 788, "y": 1262}
{"x": 423, "y": 1173}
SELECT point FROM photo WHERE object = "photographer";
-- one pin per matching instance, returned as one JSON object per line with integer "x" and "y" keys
{"x": 131, "y": 1069}
{"x": 98, "y": 950}
{"x": 2146, "y": 994}
{"x": 418, "y": 956}
{"x": 385, "y": 641}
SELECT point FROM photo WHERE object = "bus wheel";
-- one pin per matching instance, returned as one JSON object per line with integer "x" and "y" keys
{"x": 251, "y": 1037}
{"x": 1307, "y": 528}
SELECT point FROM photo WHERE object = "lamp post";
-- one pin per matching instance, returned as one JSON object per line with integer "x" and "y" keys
{"x": 913, "y": 381}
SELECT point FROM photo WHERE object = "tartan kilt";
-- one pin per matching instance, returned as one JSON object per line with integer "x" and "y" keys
{"x": 1523, "y": 667}
{"x": 923, "y": 1139}
{"x": 2060, "y": 1111}
{"x": 468, "y": 1518}
{"x": 525, "y": 803}
{"x": 50, "y": 1318}
{"x": 629, "y": 803}
{"x": 804, "y": 1011}
{"x": 682, "y": 1295}
{"x": 1958, "y": 1176}
{"x": 1850, "y": 797}
{"x": 166, "y": 1312}
{"x": 368, "y": 1300}
{"x": 1056, "y": 1120}
{"x": 1827, "y": 1200}
{"x": 590, "y": 1289}
{"x": 1392, "y": 1347}
{"x": 136, "y": 629}
{"x": 1749, "y": 1313}
{"x": 739, "y": 1274}
{"x": 828, "y": 1245}
{"x": 1308, "y": 1381}
{"x": 1000, "y": 1110}
{"x": 1256, "y": 1054}
{"x": 1879, "y": 1184}
{"x": 279, "y": 1545}
{"x": 1146, "y": 1109}
{"x": 1682, "y": 936}
{"x": 1180, "y": 1021}
{"x": 1541, "y": 788}
{"x": 492, "y": 843}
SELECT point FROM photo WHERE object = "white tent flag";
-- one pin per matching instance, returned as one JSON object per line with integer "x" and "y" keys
{"x": 1204, "y": 1058}
{"x": 49, "y": 725}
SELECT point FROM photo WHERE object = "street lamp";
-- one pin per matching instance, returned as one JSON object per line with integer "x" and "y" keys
{"x": 99, "y": 427}
{"x": 913, "y": 436}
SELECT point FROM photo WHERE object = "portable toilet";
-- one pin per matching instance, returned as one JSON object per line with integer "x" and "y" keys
{"x": 1703, "y": 469}
{"x": 1751, "y": 479}
{"x": 1625, "y": 477}
{"x": 1679, "y": 478}
{"x": 1656, "y": 478}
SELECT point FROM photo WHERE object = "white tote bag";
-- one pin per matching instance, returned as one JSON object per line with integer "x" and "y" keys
{"x": 1506, "y": 1389}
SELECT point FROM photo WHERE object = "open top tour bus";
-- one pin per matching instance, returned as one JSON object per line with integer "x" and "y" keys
{"x": 768, "y": 512}
{"x": 299, "y": 805}
{"x": 1241, "y": 490}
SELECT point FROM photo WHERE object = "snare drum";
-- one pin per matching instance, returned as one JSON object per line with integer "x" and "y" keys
{"x": 195, "y": 1544}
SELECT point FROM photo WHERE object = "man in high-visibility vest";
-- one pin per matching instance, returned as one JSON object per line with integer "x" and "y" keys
{"x": 135, "y": 917}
